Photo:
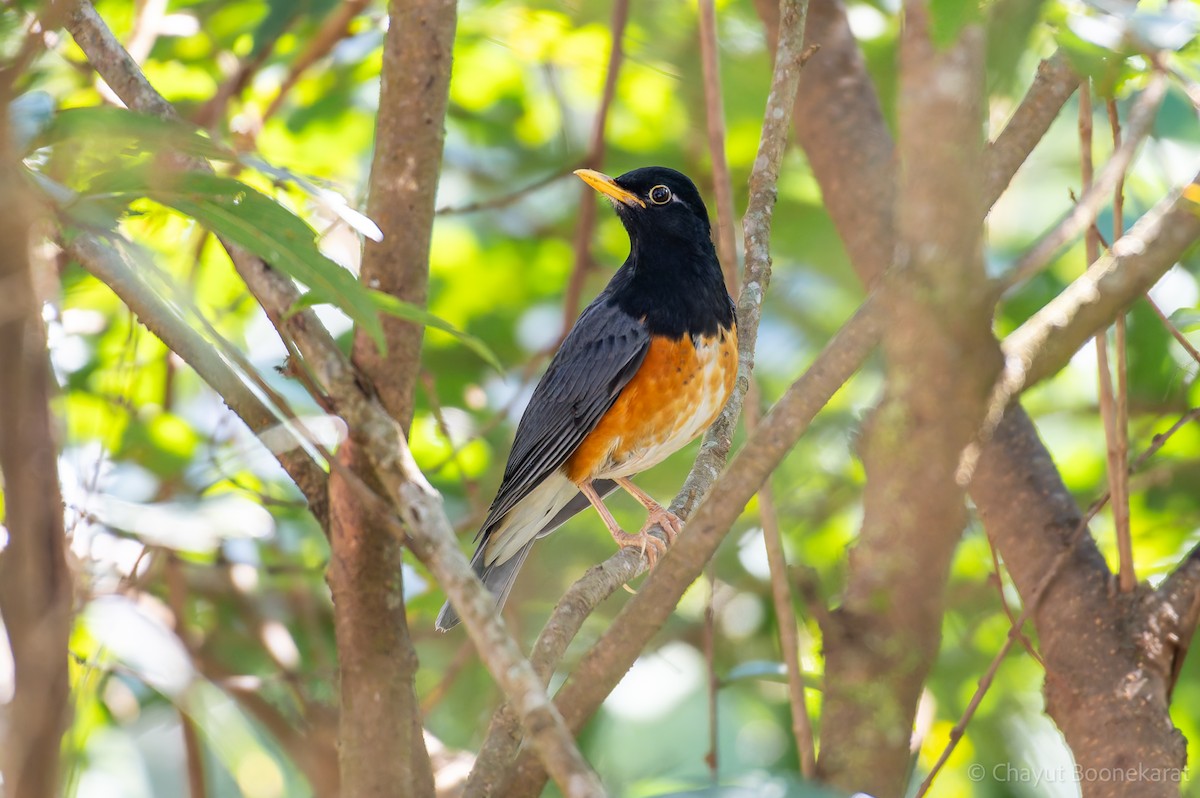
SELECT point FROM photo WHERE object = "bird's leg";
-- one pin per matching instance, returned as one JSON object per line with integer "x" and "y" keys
{"x": 671, "y": 524}
{"x": 649, "y": 545}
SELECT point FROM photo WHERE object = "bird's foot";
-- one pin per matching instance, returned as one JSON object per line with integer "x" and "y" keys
{"x": 649, "y": 545}
{"x": 670, "y": 523}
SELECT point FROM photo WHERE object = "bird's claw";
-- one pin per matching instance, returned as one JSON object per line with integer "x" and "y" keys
{"x": 648, "y": 544}
{"x": 670, "y": 523}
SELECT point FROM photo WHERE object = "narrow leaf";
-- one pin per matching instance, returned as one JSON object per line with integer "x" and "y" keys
{"x": 256, "y": 222}
{"x": 392, "y": 306}
{"x": 118, "y": 126}
{"x": 757, "y": 669}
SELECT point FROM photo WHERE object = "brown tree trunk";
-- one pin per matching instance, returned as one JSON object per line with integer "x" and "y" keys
{"x": 941, "y": 360}
{"x": 381, "y": 748}
{"x": 35, "y": 583}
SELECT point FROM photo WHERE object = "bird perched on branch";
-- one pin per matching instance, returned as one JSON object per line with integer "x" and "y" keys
{"x": 646, "y": 368}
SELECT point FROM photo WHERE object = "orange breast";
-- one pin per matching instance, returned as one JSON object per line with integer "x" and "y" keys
{"x": 678, "y": 391}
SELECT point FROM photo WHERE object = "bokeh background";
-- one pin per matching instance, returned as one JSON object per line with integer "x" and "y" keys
{"x": 204, "y": 618}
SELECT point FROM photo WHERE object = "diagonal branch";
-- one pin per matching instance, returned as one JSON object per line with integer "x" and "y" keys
{"x": 1048, "y": 339}
{"x": 1083, "y": 215}
{"x": 274, "y": 291}
{"x": 109, "y": 266}
{"x": 1054, "y": 83}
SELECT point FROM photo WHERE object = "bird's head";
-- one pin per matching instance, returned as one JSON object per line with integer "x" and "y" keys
{"x": 655, "y": 203}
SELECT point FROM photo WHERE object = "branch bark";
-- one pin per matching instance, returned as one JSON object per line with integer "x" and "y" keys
{"x": 1135, "y": 262}
{"x": 381, "y": 746}
{"x": 35, "y": 581}
{"x": 941, "y": 360}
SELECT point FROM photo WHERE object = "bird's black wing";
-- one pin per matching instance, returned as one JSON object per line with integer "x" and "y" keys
{"x": 598, "y": 358}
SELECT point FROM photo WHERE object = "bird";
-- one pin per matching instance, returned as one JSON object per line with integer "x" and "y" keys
{"x": 645, "y": 369}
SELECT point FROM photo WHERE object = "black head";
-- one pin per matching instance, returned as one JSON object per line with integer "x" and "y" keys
{"x": 654, "y": 202}
{"x": 672, "y": 277}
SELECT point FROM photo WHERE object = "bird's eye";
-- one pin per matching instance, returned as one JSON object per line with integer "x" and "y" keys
{"x": 660, "y": 195}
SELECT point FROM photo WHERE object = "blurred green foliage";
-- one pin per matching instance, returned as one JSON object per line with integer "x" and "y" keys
{"x": 186, "y": 532}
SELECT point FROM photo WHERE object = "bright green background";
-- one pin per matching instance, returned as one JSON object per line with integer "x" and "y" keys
{"x": 152, "y": 459}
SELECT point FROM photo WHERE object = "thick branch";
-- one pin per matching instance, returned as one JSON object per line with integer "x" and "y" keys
{"x": 1101, "y": 687}
{"x": 409, "y": 131}
{"x": 382, "y": 746}
{"x": 1020, "y": 498}
{"x": 1048, "y": 339}
{"x": 941, "y": 359}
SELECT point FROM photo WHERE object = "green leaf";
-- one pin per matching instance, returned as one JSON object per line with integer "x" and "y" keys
{"x": 757, "y": 669}
{"x": 261, "y": 225}
{"x": 328, "y": 199}
{"x": 392, "y": 306}
{"x": 116, "y": 126}
{"x": 1186, "y": 319}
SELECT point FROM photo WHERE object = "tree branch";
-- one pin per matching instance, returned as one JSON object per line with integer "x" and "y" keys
{"x": 35, "y": 580}
{"x": 1054, "y": 83}
{"x": 1045, "y": 343}
{"x": 274, "y": 291}
{"x": 616, "y": 650}
{"x": 1016, "y": 488}
{"x": 1094, "y": 197}
{"x": 108, "y": 265}
{"x": 941, "y": 358}
{"x": 382, "y": 747}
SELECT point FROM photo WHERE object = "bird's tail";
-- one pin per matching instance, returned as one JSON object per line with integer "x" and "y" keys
{"x": 499, "y": 577}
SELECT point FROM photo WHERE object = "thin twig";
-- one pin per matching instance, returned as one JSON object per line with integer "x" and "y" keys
{"x": 1054, "y": 83}
{"x": 1141, "y": 121}
{"x": 785, "y": 617}
{"x": 504, "y": 200}
{"x": 594, "y": 160}
{"x": 998, "y": 573}
{"x": 449, "y": 674}
{"x": 1175, "y": 333}
{"x": 335, "y": 28}
{"x": 712, "y": 758}
{"x": 1127, "y": 577}
{"x": 714, "y": 117}
{"x": 1108, "y": 402}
